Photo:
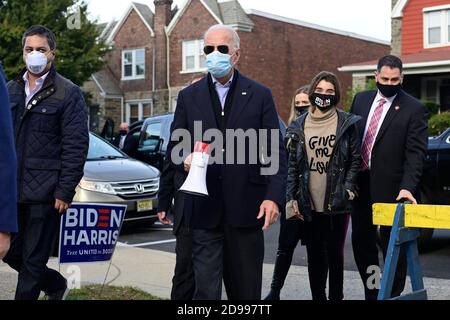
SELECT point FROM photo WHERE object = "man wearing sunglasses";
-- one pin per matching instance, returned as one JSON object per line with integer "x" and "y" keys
{"x": 227, "y": 226}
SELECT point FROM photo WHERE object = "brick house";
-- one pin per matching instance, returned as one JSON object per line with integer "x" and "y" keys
{"x": 157, "y": 54}
{"x": 421, "y": 37}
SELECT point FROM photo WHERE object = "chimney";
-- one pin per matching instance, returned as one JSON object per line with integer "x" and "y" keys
{"x": 162, "y": 18}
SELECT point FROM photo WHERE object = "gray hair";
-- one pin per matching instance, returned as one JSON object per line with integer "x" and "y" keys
{"x": 232, "y": 32}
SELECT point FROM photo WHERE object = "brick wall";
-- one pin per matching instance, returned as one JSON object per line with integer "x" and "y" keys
{"x": 133, "y": 34}
{"x": 191, "y": 26}
{"x": 285, "y": 56}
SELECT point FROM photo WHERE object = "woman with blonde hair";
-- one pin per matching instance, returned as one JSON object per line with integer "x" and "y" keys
{"x": 290, "y": 230}
{"x": 300, "y": 103}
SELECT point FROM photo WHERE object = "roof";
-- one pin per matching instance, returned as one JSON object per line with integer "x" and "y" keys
{"x": 106, "y": 83}
{"x": 144, "y": 12}
{"x": 415, "y": 63}
{"x": 227, "y": 12}
{"x": 315, "y": 26}
{"x": 397, "y": 11}
{"x": 233, "y": 15}
{"x": 106, "y": 29}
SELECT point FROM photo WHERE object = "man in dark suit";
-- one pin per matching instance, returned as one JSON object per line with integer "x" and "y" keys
{"x": 125, "y": 141}
{"x": 171, "y": 180}
{"x": 8, "y": 192}
{"x": 228, "y": 240}
{"x": 393, "y": 149}
{"x": 119, "y": 139}
{"x": 183, "y": 281}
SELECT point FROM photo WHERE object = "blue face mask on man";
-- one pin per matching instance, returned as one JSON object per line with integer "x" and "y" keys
{"x": 219, "y": 64}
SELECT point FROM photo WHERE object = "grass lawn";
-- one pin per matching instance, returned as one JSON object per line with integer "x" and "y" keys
{"x": 94, "y": 292}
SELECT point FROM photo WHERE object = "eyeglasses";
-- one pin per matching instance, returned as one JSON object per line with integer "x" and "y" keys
{"x": 222, "y": 49}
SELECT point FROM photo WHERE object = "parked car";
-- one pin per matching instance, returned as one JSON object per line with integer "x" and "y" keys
{"x": 154, "y": 135}
{"x": 435, "y": 184}
{"x": 111, "y": 177}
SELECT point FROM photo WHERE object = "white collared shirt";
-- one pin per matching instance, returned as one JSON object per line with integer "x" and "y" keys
{"x": 30, "y": 93}
{"x": 122, "y": 141}
{"x": 222, "y": 89}
{"x": 387, "y": 106}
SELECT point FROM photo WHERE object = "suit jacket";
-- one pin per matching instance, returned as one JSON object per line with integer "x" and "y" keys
{"x": 130, "y": 146}
{"x": 171, "y": 181}
{"x": 236, "y": 191}
{"x": 8, "y": 188}
{"x": 400, "y": 148}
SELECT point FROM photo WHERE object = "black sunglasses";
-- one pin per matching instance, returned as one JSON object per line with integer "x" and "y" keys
{"x": 222, "y": 49}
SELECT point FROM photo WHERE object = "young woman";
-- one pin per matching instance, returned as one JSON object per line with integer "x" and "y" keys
{"x": 324, "y": 160}
{"x": 290, "y": 230}
{"x": 300, "y": 104}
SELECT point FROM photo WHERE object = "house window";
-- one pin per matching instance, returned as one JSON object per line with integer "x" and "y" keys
{"x": 448, "y": 26}
{"x": 437, "y": 26}
{"x": 138, "y": 110}
{"x": 133, "y": 64}
{"x": 193, "y": 57}
{"x": 434, "y": 27}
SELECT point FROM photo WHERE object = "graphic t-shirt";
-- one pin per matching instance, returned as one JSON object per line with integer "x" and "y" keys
{"x": 320, "y": 138}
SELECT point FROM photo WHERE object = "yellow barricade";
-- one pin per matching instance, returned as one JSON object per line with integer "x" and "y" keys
{"x": 416, "y": 216}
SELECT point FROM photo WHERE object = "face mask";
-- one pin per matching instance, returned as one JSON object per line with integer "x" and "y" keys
{"x": 389, "y": 90}
{"x": 36, "y": 62}
{"x": 301, "y": 110}
{"x": 219, "y": 64}
{"x": 323, "y": 101}
{"x": 123, "y": 132}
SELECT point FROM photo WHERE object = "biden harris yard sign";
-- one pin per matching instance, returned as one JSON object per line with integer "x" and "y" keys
{"x": 89, "y": 232}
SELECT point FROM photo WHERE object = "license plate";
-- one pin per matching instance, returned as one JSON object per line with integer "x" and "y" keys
{"x": 144, "y": 205}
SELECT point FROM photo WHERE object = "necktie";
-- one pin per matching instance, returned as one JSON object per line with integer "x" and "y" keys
{"x": 369, "y": 139}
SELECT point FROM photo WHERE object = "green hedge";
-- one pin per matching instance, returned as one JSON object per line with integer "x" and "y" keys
{"x": 433, "y": 108}
{"x": 439, "y": 123}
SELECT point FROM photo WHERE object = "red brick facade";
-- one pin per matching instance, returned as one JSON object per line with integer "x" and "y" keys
{"x": 133, "y": 34}
{"x": 285, "y": 56}
{"x": 280, "y": 54}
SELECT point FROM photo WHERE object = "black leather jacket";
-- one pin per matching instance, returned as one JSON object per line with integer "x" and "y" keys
{"x": 343, "y": 168}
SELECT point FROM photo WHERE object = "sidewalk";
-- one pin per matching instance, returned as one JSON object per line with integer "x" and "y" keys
{"x": 152, "y": 271}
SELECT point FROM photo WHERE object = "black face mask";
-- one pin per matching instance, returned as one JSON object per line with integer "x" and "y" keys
{"x": 389, "y": 90}
{"x": 123, "y": 132}
{"x": 301, "y": 110}
{"x": 323, "y": 101}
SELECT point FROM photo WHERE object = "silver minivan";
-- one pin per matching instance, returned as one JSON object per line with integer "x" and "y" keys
{"x": 111, "y": 177}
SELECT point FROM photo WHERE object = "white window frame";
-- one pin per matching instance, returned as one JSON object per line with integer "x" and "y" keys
{"x": 140, "y": 104}
{"x": 197, "y": 68}
{"x": 133, "y": 76}
{"x": 444, "y": 26}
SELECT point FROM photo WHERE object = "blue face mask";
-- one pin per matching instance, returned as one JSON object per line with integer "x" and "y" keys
{"x": 219, "y": 64}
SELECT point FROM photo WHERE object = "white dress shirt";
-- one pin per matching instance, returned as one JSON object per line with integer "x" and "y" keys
{"x": 222, "y": 89}
{"x": 386, "y": 107}
{"x": 30, "y": 93}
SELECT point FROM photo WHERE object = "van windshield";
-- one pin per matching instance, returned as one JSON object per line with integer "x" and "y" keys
{"x": 99, "y": 149}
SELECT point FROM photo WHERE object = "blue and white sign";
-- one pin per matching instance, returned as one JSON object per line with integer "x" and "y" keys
{"x": 89, "y": 232}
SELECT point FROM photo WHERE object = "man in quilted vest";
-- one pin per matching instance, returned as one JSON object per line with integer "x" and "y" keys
{"x": 51, "y": 138}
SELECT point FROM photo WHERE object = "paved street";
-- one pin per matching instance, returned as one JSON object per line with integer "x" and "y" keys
{"x": 435, "y": 259}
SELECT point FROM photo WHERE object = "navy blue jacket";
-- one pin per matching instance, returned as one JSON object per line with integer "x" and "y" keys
{"x": 236, "y": 191}
{"x": 8, "y": 195}
{"x": 52, "y": 139}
